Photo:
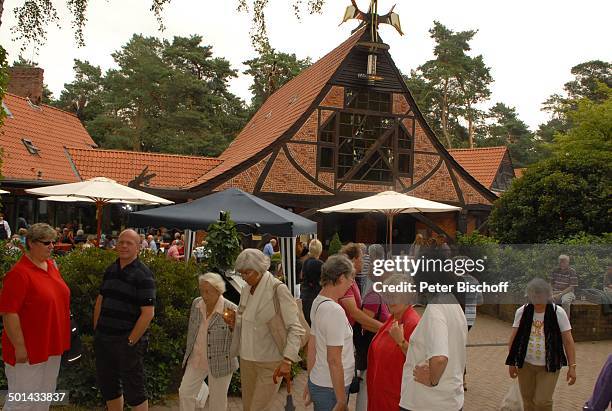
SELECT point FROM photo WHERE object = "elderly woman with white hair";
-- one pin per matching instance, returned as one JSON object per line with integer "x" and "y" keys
{"x": 540, "y": 345}
{"x": 209, "y": 340}
{"x": 262, "y": 361}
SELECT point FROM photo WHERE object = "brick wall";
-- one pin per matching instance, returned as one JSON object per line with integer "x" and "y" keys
{"x": 400, "y": 104}
{"x": 446, "y": 221}
{"x": 246, "y": 180}
{"x": 438, "y": 187}
{"x": 589, "y": 322}
{"x": 284, "y": 178}
{"x": 26, "y": 82}
{"x": 334, "y": 98}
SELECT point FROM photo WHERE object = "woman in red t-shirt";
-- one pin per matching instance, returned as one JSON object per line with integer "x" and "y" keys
{"x": 35, "y": 307}
{"x": 387, "y": 352}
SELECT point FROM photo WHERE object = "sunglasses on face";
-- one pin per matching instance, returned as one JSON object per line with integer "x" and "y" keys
{"x": 46, "y": 243}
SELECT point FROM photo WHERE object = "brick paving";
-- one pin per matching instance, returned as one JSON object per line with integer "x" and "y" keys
{"x": 487, "y": 377}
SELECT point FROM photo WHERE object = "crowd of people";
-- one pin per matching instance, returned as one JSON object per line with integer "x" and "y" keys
{"x": 355, "y": 340}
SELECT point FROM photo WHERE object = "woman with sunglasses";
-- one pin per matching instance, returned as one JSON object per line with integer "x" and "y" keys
{"x": 35, "y": 307}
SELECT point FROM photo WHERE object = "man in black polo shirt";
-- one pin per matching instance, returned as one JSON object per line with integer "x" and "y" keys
{"x": 123, "y": 311}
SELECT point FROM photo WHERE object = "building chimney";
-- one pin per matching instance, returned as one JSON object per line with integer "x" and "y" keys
{"x": 26, "y": 82}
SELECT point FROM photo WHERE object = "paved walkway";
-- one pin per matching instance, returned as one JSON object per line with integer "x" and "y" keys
{"x": 487, "y": 377}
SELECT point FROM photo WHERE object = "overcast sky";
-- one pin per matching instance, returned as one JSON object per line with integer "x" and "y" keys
{"x": 529, "y": 45}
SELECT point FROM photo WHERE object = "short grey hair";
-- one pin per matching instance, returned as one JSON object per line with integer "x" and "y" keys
{"x": 564, "y": 257}
{"x": 315, "y": 248}
{"x": 376, "y": 252}
{"x": 538, "y": 287}
{"x": 398, "y": 279}
{"x": 252, "y": 259}
{"x": 336, "y": 265}
{"x": 213, "y": 279}
{"x": 80, "y": 232}
{"x": 40, "y": 231}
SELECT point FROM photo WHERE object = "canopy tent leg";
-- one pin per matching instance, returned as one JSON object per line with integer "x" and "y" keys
{"x": 287, "y": 249}
{"x": 189, "y": 244}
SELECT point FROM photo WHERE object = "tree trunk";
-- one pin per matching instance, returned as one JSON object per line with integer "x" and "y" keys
{"x": 444, "y": 116}
{"x": 137, "y": 132}
{"x": 470, "y": 119}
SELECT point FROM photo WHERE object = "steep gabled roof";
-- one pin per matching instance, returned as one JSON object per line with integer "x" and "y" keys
{"x": 49, "y": 130}
{"x": 482, "y": 163}
{"x": 281, "y": 110}
{"x": 171, "y": 171}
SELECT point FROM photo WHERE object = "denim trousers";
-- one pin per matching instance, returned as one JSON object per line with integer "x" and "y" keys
{"x": 323, "y": 398}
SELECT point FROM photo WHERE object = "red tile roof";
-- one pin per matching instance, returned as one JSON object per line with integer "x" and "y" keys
{"x": 281, "y": 110}
{"x": 49, "y": 129}
{"x": 482, "y": 163}
{"x": 171, "y": 171}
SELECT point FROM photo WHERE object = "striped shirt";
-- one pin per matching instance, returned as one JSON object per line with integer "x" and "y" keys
{"x": 124, "y": 291}
{"x": 561, "y": 279}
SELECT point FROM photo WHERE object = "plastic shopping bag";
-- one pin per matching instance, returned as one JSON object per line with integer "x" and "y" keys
{"x": 202, "y": 395}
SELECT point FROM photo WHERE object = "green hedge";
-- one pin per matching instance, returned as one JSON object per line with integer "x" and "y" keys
{"x": 589, "y": 256}
{"x": 176, "y": 288}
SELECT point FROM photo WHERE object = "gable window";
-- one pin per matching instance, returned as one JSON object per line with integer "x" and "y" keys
{"x": 358, "y": 134}
{"x": 366, "y": 99}
{"x": 32, "y": 149}
{"x": 364, "y": 141}
{"x": 327, "y": 144}
{"x": 404, "y": 146}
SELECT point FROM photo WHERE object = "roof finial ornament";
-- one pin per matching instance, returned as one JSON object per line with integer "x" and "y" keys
{"x": 372, "y": 18}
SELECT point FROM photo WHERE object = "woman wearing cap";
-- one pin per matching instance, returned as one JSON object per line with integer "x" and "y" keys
{"x": 35, "y": 307}
{"x": 208, "y": 346}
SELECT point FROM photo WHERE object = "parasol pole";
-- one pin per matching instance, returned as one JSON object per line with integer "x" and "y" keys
{"x": 99, "y": 205}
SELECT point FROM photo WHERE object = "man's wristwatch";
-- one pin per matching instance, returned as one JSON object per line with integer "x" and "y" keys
{"x": 432, "y": 384}
{"x": 131, "y": 342}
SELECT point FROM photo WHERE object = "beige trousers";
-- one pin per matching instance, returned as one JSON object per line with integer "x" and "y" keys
{"x": 537, "y": 387}
{"x": 190, "y": 387}
{"x": 26, "y": 378}
{"x": 258, "y": 388}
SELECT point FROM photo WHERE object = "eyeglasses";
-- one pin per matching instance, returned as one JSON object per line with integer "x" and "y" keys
{"x": 46, "y": 243}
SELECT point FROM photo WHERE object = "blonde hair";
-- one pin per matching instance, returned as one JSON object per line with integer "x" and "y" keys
{"x": 315, "y": 248}
{"x": 40, "y": 231}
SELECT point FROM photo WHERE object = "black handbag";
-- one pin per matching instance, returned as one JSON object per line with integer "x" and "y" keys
{"x": 74, "y": 353}
{"x": 354, "y": 387}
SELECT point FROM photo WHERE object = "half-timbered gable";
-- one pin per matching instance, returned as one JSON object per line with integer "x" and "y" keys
{"x": 331, "y": 134}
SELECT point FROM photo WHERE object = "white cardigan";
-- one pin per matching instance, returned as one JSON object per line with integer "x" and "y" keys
{"x": 256, "y": 342}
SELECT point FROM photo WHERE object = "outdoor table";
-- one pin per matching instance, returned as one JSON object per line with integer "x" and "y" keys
{"x": 63, "y": 247}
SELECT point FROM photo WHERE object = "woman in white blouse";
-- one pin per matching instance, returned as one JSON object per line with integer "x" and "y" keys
{"x": 262, "y": 363}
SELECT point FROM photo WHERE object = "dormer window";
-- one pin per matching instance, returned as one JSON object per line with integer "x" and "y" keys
{"x": 32, "y": 149}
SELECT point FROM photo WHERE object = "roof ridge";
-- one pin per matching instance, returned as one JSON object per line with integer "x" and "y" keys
{"x": 42, "y": 105}
{"x": 478, "y": 148}
{"x": 144, "y": 152}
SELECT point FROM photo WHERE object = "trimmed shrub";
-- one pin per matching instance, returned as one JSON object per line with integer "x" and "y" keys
{"x": 335, "y": 245}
